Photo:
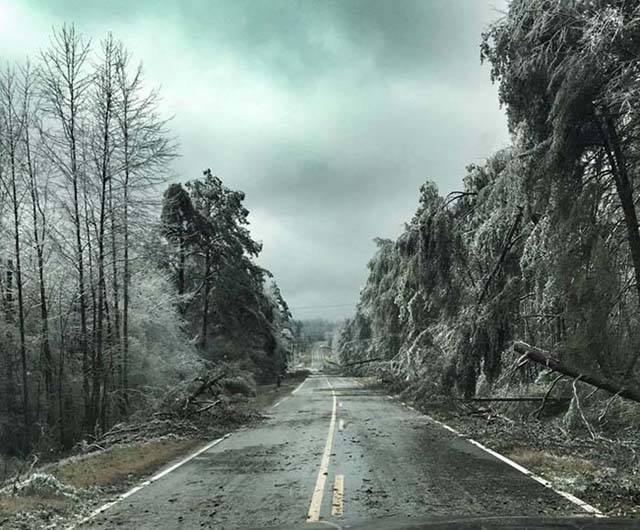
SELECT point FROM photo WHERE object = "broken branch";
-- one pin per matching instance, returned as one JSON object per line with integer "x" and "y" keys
{"x": 577, "y": 402}
{"x": 544, "y": 358}
{"x": 546, "y": 396}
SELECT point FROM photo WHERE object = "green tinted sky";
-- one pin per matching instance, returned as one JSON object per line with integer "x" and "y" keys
{"x": 329, "y": 114}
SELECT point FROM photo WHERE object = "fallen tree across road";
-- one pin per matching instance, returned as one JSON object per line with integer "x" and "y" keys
{"x": 546, "y": 359}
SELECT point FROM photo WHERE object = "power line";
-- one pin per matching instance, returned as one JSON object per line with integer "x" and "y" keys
{"x": 322, "y": 306}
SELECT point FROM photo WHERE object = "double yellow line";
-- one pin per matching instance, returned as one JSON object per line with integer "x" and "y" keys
{"x": 337, "y": 505}
{"x": 338, "y": 489}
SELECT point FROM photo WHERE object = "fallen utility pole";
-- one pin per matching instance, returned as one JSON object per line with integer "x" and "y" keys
{"x": 546, "y": 359}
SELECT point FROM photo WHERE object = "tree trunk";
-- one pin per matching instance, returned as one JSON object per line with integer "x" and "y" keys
{"x": 44, "y": 313}
{"x": 60, "y": 387}
{"x": 84, "y": 343}
{"x": 205, "y": 300}
{"x": 182, "y": 260}
{"x": 64, "y": 88}
{"x": 115, "y": 330}
{"x": 545, "y": 358}
{"x": 98, "y": 361}
{"x": 105, "y": 104}
{"x": 125, "y": 293}
{"x": 10, "y": 388}
{"x": 125, "y": 92}
{"x": 63, "y": 342}
{"x": 19, "y": 287}
{"x": 90, "y": 416}
{"x": 73, "y": 154}
{"x": 624, "y": 189}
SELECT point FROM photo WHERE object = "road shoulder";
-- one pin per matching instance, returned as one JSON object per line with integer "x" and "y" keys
{"x": 74, "y": 487}
{"x": 597, "y": 472}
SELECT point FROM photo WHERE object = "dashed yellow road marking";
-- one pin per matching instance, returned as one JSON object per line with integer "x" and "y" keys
{"x": 318, "y": 492}
{"x": 337, "y": 505}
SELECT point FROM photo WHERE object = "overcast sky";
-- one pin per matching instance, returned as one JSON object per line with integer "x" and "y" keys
{"x": 329, "y": 114}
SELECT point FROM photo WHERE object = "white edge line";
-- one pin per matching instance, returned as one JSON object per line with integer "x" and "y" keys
{"x": 572, "y": 498}
{"x": 147, "y": 482}
{"x": 295, "y": 391}
{"x": 278, "y": 403}
{"x": 585, "y": 506}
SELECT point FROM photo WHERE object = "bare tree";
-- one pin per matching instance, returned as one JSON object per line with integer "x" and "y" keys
{"x": 146, "y": 147}
{"x": 102, "y": 108}
{"x": 64, "y": 86}
{"x": 39, "y": 228}
{"x": 13, "y": 129}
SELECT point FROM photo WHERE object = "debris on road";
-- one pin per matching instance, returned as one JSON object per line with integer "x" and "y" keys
{"x": 602, "y": 470}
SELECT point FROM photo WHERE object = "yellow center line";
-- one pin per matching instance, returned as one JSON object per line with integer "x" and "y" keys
{"x": 318, "y": 492}
{"x": 337, "y": 505}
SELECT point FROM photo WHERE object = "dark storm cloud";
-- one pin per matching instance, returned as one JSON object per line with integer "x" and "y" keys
{"x": 329, "y": 114}
{"x": 303, "y": 40}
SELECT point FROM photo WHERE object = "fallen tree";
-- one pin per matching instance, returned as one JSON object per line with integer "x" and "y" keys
{"x": 356, "y": 363}
{"x": 546, "y": 359}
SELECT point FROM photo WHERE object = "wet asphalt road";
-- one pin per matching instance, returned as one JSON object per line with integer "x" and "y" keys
{"x": 394, "y": 462}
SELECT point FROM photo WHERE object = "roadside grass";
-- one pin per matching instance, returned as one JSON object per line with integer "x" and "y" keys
{"x": 10, "y": 506}
{"x": 92, "y": 475}
{"x": 122, "y": 464}
{"x": 546, "y": 462}
{"x": 615, "y": 491}
{"x": 111, "y": 471}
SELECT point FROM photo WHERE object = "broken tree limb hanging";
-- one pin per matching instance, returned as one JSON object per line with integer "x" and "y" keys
{"x": 378, "y": 359}
{"x": 546, "y": 359}
{"x": 508, "y": 243}
{"x": 206, "y": 384}
{"x": 547, "y": 396}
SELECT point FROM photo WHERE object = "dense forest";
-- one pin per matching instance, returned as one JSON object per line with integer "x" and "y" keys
{"x": 111, "y": 291}
{"x": 541, "y": 244}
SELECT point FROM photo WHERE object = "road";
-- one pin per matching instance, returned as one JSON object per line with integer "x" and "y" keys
{"x": 318, "y": 351}
{"x": 380, "y": 458}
